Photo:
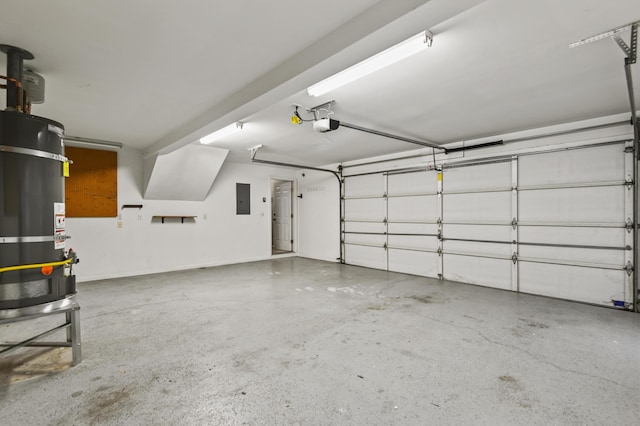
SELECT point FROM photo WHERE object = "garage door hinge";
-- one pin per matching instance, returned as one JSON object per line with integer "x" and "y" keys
{"x": 384, "y": 195}
{"x": 439, "y": 251}
{"x": 439, "y": 235}
{"x": 514, "y": 258}
{"x": 514, "y": 223}
{"x": 439, "y": 222}
{"x": 629, "y": 268}
{"x": 385, "y": 246}
{"x": 629, "y": 225}
{"x": 629, "y": 182}
{"x": 385, "y": 220}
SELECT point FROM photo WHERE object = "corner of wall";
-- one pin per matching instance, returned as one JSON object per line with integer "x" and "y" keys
{"x": 147, "y": 168}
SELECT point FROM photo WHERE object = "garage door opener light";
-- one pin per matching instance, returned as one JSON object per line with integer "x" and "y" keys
{"x": 394, "y": 54}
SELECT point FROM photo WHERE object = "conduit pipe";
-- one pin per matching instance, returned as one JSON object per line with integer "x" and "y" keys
{"x": 254, "y": 151}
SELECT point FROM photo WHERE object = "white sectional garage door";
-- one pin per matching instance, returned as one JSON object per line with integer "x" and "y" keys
{"x": 549, "y": 223}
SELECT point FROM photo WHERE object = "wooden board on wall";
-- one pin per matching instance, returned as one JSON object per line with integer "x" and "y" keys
{"x": 91, "y": 190}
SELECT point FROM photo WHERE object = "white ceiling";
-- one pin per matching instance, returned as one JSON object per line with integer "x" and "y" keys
{"x": 157, "y": 75}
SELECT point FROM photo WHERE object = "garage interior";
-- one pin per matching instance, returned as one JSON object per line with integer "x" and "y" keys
{"x": 449, "y": 238}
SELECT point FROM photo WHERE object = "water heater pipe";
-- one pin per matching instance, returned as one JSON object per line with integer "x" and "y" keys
{"x": 35, "y": 265}
{"x": 15, "y": 60}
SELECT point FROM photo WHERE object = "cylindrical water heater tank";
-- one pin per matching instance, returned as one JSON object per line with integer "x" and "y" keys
{"x": 32, "y": 221}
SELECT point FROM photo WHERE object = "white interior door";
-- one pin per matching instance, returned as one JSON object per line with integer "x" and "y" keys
{"x": 282, "y": 216}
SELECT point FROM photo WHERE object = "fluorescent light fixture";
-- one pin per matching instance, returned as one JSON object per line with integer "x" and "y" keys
{"x": 387, "y": 57}
{"x": 219, "y": 134}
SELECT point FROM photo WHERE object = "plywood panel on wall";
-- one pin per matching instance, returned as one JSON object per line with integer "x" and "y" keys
{"x": 91, "y": 190}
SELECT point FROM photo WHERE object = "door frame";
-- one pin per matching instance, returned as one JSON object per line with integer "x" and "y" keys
{"x": 294, "y": 212}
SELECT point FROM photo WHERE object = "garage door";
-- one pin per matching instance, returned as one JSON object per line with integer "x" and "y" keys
{"x": 551, "y": 223}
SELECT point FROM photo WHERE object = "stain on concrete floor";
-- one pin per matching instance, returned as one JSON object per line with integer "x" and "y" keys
{"x": 30, "y": 363}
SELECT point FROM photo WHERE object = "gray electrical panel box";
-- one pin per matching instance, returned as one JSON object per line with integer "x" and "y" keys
{"x": 243, "y": 198}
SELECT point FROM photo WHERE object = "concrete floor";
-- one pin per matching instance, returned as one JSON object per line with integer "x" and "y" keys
{"x": 296, "y": 341}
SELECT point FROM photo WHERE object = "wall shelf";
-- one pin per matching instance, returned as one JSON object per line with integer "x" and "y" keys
{"x": 182, "y": 218}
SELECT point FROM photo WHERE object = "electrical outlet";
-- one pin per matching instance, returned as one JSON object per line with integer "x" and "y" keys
{"x": 119, "y": 224}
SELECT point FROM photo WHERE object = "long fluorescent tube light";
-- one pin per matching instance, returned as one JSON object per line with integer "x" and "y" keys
{"x": 394, "y": 54}
{"x": 219, "y": 134}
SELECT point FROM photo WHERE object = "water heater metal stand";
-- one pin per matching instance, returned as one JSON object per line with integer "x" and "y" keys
{"x": 67, "y": 306}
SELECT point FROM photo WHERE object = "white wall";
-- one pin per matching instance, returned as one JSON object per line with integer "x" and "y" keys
{"x": 218, "y": 235}
{"x": 142, "y": 245}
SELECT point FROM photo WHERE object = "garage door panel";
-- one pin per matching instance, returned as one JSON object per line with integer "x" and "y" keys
{"x": 417, "y": 242}
{"x": 366, "y": 209}
{"x": 589, "y": 285}
{"x": 412, "y": 183}
{"x": 364, "y": 186}
{"x": 492, "y": 206}
{"x": 607, "y": 257}
{"x": 415, "y": 263}
{"x": 604, "y": 163}
{"x": 601, "y": 205}
{"x": 365, "y": 227}
{"x": 470, "y": 232}
{"x": 378, "y": 240}
{"x": 486, "y": 176}
{"x": 478, "y": 248}
{"x": 474, "y": 270}
{"x": 413, "y": 228}
{"x": 416, "y": 208}
{"x": 371, "y": 257}
{"x": 612, "y": 237}
{"x": 478, "y": 206}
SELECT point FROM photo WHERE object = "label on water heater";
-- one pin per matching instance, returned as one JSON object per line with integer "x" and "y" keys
{"x": 58, "y": 225}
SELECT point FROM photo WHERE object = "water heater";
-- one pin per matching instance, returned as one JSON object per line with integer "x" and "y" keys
{"x": 35, "y": 263}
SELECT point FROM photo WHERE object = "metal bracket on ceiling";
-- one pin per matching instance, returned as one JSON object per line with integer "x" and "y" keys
{"x": 630, "y": 51}
{"x": 610, "y": 33}
{"x": 254, "y": 151}
{"x": 327, "y": 107}
{"x": 428, "y": 38}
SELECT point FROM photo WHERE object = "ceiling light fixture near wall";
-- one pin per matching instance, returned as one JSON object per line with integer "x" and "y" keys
{"x": 219, "y": 134}
{"x": 394, "y": 54}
